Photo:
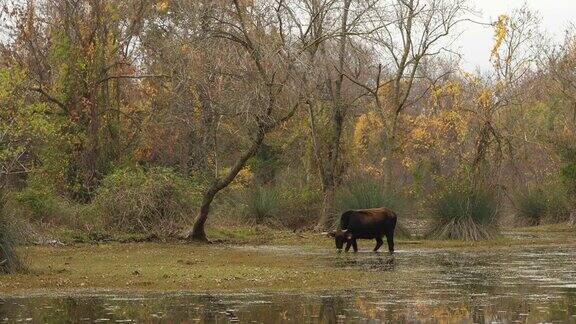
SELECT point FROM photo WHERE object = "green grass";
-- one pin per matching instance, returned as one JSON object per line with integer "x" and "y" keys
{"x": 178, "y": 266}
{"x": 542, "y": 204}
{"x": 261, "y": 205}
{"x": 369, "y": 193}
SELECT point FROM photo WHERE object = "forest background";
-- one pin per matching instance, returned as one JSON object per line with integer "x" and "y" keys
{"x": 145, "y": 119}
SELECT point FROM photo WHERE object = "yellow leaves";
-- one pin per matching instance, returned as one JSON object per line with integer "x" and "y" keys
{"x": 162, "y": 6}
{"x": 368, "y": 140}
{"x": 10, "y": 80}
{"x": 247, "y": 3}
{"x": 419, "y": 138}
{"x": 485, "y": 98}
{"x": 419, "y": 135}
{"x": 500, "y": 31}
{"x": 367, "y": 129}
{"x": 185, "y": 48}
{"x": 438, "y": 134}
{"x": 451, "y": 89}
{"x": 384, "y": 91}
{"x": 243, "y": 178}
{"x": 408, "y": 163}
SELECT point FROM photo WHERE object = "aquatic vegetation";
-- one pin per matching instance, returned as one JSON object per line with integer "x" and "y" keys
{"x": 490, "y": 281}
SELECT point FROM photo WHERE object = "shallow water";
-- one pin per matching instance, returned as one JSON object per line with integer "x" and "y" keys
{"x": 529, "y": 285}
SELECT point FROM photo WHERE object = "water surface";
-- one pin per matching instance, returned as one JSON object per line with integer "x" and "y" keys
{"x": 530, "y": 285}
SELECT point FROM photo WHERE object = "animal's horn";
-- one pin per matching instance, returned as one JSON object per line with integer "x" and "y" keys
{"x": 344, "y": 230}
{"x": 324, "y": 233}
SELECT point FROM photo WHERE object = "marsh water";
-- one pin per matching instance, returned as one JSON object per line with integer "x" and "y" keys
{"x": 532, "y": 284}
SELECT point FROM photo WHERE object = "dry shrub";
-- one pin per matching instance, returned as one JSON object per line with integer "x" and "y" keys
{"x": 153, "y": 201}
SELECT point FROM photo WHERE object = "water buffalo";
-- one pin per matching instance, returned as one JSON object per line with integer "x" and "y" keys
{"x": 371, "y": 223}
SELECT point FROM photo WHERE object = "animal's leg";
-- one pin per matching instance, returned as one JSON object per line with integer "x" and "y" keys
{"x": 354, "y": 245}
{"x": 379, "y": 243}
{"x": 348, "y": 244}
{"x": 390, "y": 239}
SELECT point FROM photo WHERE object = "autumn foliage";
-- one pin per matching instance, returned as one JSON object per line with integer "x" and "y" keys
{"x": 241, "y": 110}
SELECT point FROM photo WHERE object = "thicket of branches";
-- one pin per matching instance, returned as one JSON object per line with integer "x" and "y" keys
{"x": 302, "y": 95}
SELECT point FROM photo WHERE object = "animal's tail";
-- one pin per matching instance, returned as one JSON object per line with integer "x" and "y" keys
{"x": 392, "y": 223}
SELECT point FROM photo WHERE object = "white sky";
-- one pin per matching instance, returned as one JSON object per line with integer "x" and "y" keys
{"x": 476, "y": 41}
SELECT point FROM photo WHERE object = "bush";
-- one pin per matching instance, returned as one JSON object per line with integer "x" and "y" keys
{"x": 261, "y": 205}
{"x": 299, "y": 206}
{"x": 542, "y": 204}
{"x": 145, "y": 201}
{"x": 39, "y": 201}
{"x": 9, "y": 261}
{"x": 289, "y": 203}
{"x": 463, "y": 211}
{"x": 368, "y": 193}
{"x": 41, "y": 204}
{"x": 531, "y": 206}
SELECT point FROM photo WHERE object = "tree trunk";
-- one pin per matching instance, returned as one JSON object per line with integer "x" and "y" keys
{"x": 325, "y": 221}
{"x": 197, "y": 233}
{"x": 391, "y": 154}
{"x": 92, "y": 155}
{"x": 331, "y": 171}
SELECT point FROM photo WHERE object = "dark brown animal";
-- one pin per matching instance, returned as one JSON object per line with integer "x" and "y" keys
{"x": 372, "y": 223}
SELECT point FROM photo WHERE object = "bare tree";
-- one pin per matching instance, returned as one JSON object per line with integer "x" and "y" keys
{"x": 560, "y": 62}
{"x": 514, "y": 58}
{"x": 405, "y": 34}
{"x": 328, "y": 32}
{"x": 266, "y": 91}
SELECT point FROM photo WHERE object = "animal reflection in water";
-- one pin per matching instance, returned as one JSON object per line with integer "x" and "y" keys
{"x": 374, "y": 223}
{"x": 366, "y": 261}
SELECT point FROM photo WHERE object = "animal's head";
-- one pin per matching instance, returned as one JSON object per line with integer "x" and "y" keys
{"x": 340, "y": 237}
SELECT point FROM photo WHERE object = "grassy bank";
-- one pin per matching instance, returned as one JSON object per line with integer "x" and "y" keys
{"x": 267, "y": 261}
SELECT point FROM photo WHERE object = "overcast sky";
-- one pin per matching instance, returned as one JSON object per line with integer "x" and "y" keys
{"x": 476, "y": 41}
